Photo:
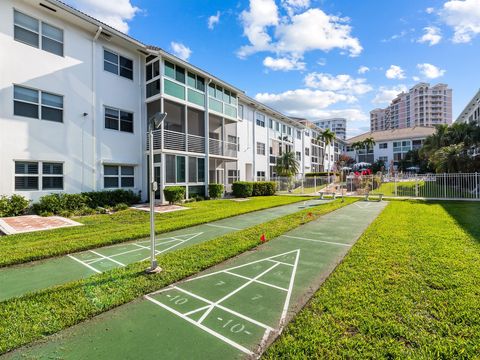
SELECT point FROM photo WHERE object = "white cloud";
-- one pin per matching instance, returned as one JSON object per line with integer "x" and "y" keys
{"x": 180, "y": 50}
{"x": 342, "y": 83}
{"x": 387, "y": 94}
{"x": 296, "y": 33}
{"x": 293, "y": 6}
{"x": 430, "y": 71}
{"x": 415, "y": 78}
{"x": 463, "y": 17}
{"x": 363, "y": 69}
{"x": 213, "y": 20}
{"x": 261, "y": 14}
{"x": 115, "y": 13}
{"x": 432, "y": 35}
{"x": 429, "y": 10}
{"x": 395, "y": 72}
{"x": 283, "y": 64}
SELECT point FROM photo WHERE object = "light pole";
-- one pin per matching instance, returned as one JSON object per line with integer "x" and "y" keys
{"x": 154, "y": 123}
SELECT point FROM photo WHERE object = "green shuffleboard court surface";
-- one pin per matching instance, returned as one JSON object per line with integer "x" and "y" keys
{"x": 20, "y": 279}
{"x": 233, "y": 310}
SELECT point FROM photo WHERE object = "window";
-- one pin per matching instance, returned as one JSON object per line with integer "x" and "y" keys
{"x": 152, "y": 70}
{"x": 116, "y": 119}
{"x": 118, "y": 176}
{"x": 270, "y": 123}
{"x": 284, "y": 128}
{"x": 307, "y": 151}
{"x": 260, "y": 118}
{"x": 260, "y": 148}
{"x": 289, "y": 130}
{"x": 196, "y": 169}
{"x": 117, "y": 64}
{"x": 175, "y": 169}
{"x": 299, "y": 135}
{"x": 174, "y": 72}
{"x": 298, "y": 155}
{"x": 240, "y": 112}
{"x": 277, "y": 126}
{"x": 383, "y": 146}
{"x": 383, "y": 158}
{"x": 35, "y": 175}
{"x": 232, "y": 176}
{"x": 38, "y": 34}
{"x": 261, "y": 176}
{"x": 37, "y": 104}
{"x": 196, "y": 81}
{"x": 180, "y": 168}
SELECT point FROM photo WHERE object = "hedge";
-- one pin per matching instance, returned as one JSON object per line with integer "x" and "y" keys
{"x": 242, "y": 189}
{"x": 264, "y": 188}
{"x": 13, "y": 206}
{"x": 174, "y": 194}
{"x": 215, "y": 191}
{"x": 321, "y": 173}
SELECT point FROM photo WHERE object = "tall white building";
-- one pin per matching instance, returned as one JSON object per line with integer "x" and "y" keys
{"x": 76, "y": 96}
{"x": 422, "y": 105}
{"x": 337, "y": 125}
{"x": 471, "y": 112}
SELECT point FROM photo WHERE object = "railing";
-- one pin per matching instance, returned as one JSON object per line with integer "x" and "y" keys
{"x": 174, "y": 140}
{"x": 222, "y": 148}
{"x": 196, "y": 143}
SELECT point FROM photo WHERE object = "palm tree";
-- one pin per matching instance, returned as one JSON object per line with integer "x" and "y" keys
{"x": 328, "y": 137}
{"x": 368, "y": 143}
{"x": 287, "y": 165}
{"x": 449, "y": 158}
{"x": 357, "y": 145}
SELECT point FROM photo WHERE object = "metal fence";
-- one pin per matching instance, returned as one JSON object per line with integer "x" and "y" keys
{"x": 435, "y": 186}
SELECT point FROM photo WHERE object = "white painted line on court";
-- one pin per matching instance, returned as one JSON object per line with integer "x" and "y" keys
{"x": 257, "y": 281}
{"x": 290, "y": 288}
{"x": 83, "y": 263}
{"x": 280, "y": 262}
{"x": 171, "y": 247}
{"x": 203, "y": 327}
{"x": 197, "y": 310}
{"x": 107, "y": 258}
{"x": 223, "y": 227}
{"x": 243, "y": 265}
{"x": 319, "y": 241}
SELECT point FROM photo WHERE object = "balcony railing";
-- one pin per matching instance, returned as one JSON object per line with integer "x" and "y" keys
{"x": 222, "y": 148}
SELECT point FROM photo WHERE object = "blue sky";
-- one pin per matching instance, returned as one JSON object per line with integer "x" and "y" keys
{"x": 314, "y": 58}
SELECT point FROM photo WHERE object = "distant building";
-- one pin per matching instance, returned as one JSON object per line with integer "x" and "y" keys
{"x": 390, "y": 145}
{"x": 337, "y": 125}
{"x": 422, "y": 105}
{"x": 472, "y": 110}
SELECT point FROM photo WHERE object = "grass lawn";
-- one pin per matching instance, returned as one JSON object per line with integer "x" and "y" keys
{"x": 32, "y": 316}
{"x": 409, "y": 288}
{"x": 427, "y": 189}
{"x": 122, "y": 226}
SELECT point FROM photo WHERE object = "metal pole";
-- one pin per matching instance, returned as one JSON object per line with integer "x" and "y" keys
{"x": 153, "y": 186}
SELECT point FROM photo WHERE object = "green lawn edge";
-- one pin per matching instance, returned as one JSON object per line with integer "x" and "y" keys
{"x": 408, "y": 289}
{"x": 33, "y": 316}
{"x": 102, "y": 230}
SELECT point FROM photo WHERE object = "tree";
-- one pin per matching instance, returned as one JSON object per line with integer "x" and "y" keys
{"x": 287, "y": 165}
{"x": 328, "y": 137}
{"x": 357, "y": 145}
{"x": 451, "y": 158}
{"x": 368, "y": 143}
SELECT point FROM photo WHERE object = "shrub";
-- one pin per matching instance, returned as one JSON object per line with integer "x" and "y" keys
{"x": 321, "y": 173}
{"x": 242, "y": 189}
{"x": 215, "y": 191}
{"x": 13, "y": 206}
{"x": 111, "y": 198}
{"x": 174, "y": 194}
{"x": 120, "y": 207}
{"x": 264, "y": 188}
{"x": 61, "y": 204}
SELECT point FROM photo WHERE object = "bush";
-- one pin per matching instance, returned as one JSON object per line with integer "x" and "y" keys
{"x": 61, "y": 204}
{"x": 174, "y": 194}
{"x": 111, "y": 198}
{"x": 13, "y": 206}
{"x": 242, "y": 189}
{"x": 215, "y": 191}
{"x": 321, "y": 173}
{"x": 264, "y": 188}
{"x": 120, "y": 207}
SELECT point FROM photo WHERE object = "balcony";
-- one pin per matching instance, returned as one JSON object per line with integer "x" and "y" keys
{"x": 178, "y": 141}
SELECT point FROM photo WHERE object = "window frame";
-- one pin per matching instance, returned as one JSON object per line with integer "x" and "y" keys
{"x": 39, "y": 175}
{"x": 105, "y": 49}
{"x": 261, "y": 148}
{"x": 119, "y": 176}
{"x": 119, "y": 119}
{"x": 39, "y": 104}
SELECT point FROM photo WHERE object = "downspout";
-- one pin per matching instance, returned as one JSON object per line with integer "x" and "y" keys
{"x": 207, "y": 139}
{"x": 94, "y": 111}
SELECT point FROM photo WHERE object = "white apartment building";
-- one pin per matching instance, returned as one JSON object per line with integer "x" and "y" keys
{"x": 76, "y": 96}
{"x": 471, "y": 112}
{"x": 390, "y": 145}
{"x": 422, "y": 105}
{"x": 337, "y": 125}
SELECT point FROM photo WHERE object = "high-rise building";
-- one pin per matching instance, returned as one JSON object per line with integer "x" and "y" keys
{"x": 471, "y": 112}
{"x": 422, "y": 105}
{"x": 337, "y": 125}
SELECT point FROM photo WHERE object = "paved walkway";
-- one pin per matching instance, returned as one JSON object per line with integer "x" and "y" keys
{"x": 18, "y": 280}
{"x": 230, "y": 311}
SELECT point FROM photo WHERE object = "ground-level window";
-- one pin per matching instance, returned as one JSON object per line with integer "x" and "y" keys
{"x": 261, "y": 176}
{"x": 38, "y": 175}
{"x": 118, "y": 176}
{"x": 383, "y": 158}
{"x": 196, "y": 169}
{"x": 232, "y": 176}
{"x": 175, "y": 169}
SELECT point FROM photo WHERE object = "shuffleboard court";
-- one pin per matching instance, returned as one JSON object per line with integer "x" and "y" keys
{"x": 20, "y": 279}
{"x": 230, "y": 311}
